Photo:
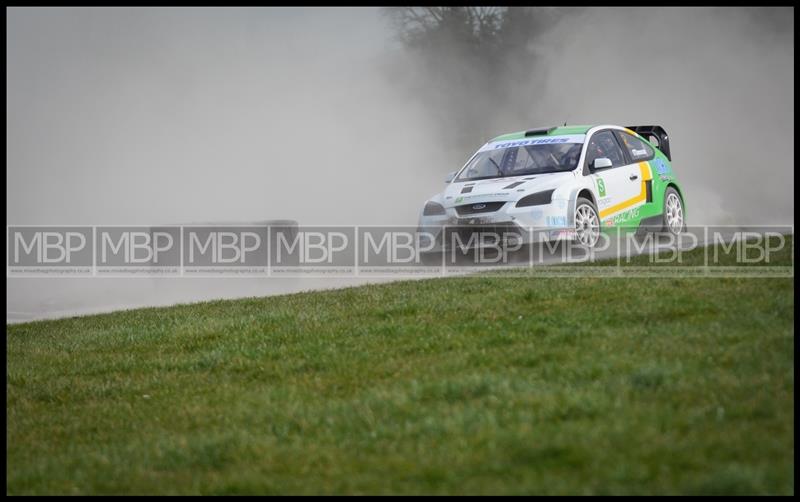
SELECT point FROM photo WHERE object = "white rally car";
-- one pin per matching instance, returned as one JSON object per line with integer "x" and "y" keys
{"x": 561, "y": 183}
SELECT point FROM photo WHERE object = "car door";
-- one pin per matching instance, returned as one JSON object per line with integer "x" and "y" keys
{"x": 618, "y": 187}
{"x": 639, "y": 154}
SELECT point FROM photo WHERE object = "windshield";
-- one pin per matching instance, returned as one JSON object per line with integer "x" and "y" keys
{"x": 515, "y": 158}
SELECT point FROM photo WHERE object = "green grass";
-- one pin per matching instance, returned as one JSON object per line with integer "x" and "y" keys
{"x": 463, "y": 385}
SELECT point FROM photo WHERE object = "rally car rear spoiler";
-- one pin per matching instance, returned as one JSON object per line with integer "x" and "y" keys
{"x": 654, "y": 134}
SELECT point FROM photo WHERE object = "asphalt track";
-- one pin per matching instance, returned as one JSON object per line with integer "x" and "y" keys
{"x": 50, "y": 298}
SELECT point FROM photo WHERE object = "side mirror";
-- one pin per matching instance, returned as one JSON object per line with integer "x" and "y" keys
{"x": 450, "y": 176}
{"x": 601, "y": 163}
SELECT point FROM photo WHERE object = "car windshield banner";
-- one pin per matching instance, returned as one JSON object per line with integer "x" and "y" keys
{"x": 542, "y": 140}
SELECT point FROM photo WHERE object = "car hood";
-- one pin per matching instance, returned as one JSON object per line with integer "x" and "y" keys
{"x": 501, "y": 189}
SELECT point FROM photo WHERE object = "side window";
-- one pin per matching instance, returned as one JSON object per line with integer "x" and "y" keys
{"x": 603, "y": 144}
{"x": 636, "y": 148}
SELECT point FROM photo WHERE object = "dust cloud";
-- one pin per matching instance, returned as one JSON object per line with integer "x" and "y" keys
{"x": 721, "y": 82}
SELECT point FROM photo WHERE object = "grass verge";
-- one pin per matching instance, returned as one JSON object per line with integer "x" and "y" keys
{"x": 464, "y": 385}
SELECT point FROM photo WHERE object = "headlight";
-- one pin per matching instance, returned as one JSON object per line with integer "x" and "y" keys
{"x": 536, "y": 199}
{"x": 433, "y": 209}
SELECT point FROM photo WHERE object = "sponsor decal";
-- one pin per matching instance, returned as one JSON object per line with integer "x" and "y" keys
{"x": 557, "y": 221}
{"x": 601, "y": 186}
{"x": 604, "y": 202}
{"x": 661, "y": 166}
{"x": 624, "y": 216}
{"x": 480, "y": 195}
{"x": 548, "y": 140}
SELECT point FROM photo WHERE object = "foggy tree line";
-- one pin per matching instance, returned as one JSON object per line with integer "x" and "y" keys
{"x": 474, "y": 67}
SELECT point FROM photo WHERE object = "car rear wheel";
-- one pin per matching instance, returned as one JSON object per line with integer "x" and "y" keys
{"x": 587, "y": 223}
{"x": 673, "y": 220}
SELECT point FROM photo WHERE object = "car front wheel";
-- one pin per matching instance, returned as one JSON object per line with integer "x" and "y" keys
{"x": 587, "y": 223}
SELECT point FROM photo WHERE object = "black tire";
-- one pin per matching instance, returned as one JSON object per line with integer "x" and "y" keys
{"x": 672, "y": 214}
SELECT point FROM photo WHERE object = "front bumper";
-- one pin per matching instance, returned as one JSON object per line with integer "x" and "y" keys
{"x": 508, "y": 227}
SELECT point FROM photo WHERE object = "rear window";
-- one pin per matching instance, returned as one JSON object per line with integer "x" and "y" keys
{"x": 637, "y": 149}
